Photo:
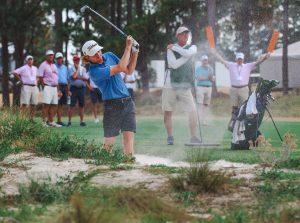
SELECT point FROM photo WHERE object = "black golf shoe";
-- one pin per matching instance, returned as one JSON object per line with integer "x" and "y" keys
{"x": 170, "y": 140}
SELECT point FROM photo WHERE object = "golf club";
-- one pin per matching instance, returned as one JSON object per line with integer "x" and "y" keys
{"x": 85, "y": 8}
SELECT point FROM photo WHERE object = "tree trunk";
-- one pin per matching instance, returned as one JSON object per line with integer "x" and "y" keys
{"x": 113, "y": 14}
{"x": 285, "y": 76}
{"x": 211, "y": 13}
{"x": 245, "y": 14}
{"x": 129, "y": 12}
{"x": 5, "y": 74}
{"x": 58, "y": 30}
{"x": 139, "y": 7}
{"x": 19, "y": 42}
{"x": 145, "y": 78}
{"x": 66, "y": 37}
{"x": 195, "y": 27}
{"x": 87, "y": 31}
{"x": 119, "y": 13}
{"x": 143, "y": 54}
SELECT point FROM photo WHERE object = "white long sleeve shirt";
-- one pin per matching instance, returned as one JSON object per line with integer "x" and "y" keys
{"x": 174, "y": 63}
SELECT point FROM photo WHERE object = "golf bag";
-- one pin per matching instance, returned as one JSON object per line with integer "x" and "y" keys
{"x": 246, "y": 120}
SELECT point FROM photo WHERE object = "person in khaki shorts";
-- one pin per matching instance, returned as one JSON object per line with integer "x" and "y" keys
{"x": 48, "y": 76}
{"x": 178, "y": 82}
{"x": 204, "y": 79}
{"x": 239, "y": 78}
{"x": 27, "y": 74}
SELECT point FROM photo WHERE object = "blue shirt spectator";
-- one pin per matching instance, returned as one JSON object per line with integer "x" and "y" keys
{"x": 63, "y": 74}
{"x": 205, "y": 72}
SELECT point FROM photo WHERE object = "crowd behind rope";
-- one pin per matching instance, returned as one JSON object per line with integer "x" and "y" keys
{"x": 62, "y": 86}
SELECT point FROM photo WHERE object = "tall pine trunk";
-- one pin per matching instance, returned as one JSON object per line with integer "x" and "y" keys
{"x": 245, "y": 14}
{"x": 5, "y": 74}
{"x": 58, "y": 30}
{"x": 129, "y": 12}
{"x": 285, "y": 74}
{"x": 119, "y": 13}
{"x": 19, "y": 43}
{"x": 113, "y": 14}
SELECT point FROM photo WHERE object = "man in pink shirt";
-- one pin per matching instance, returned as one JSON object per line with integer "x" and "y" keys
{"x": 48, "y": 76}
{"x": 239, "y": 77}
{"x": 27, "y": 74}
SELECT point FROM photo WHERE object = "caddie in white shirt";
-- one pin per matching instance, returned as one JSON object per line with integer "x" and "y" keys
{"x": 178, "y": 82}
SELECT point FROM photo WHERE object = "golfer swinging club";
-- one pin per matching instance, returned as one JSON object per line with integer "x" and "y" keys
{"x": 119, "y": 109}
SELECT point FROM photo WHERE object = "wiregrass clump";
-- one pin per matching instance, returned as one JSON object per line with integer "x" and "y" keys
{"x": 120, "y": 205}
{"x": 199, "y": 178}
{"x": 16, "y": 131}
{"x": 269, "y": 157}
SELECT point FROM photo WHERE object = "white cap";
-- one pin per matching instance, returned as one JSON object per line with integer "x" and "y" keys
{"x": 90, "y": 48}
{"x": 239, "y": 55}
{"x": 58, "y": 55}
{"x": 182, "y": 29}
{"x": 49, "y": 52}
{"x": 204, "y": 57}
{"x": 28, "y": 57}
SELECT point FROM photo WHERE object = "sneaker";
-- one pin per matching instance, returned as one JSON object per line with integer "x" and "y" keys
{"x": 61, "y": 123}
{"x": 53, "y": 124}
{"x": 69, "y": 124}
{"x": 96, "y": 121}
{"x": 170, "y": 140}
{"x": 45, "y": 124}
{"x": 82, "y": 124}
{"x": 194, "y": 139}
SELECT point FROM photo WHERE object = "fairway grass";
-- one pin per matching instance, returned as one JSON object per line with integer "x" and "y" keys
{"x": 151, "y": 137}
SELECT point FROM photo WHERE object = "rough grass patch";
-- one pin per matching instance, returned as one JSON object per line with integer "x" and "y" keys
{"x": 121, "y": 205}
{"x": 269, "y": 157}
{"x": 200, "y": 179}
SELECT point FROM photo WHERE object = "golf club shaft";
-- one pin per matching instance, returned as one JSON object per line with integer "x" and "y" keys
{"x": 135, "y": 43}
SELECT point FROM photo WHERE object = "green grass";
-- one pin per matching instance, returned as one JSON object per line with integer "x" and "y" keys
{"x": 151, "y": 137}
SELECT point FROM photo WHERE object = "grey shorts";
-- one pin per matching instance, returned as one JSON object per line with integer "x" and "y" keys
{"x": 119, "y": 116}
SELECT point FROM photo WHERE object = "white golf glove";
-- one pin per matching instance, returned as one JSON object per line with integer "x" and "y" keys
{"x": 134, "y": 49}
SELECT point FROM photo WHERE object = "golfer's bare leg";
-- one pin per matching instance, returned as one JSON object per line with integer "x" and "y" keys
{"x": 32, "y": 111}
{"x": 70, "y": 113}
{"x": 52, "y": 112}
{"x": 81, "y": 113}
{"x": 24, "y": 110}
{"x": 193, "y": 122}
{"x": 94, "y": 108}
{"x": 45, "y": 111}
{"x": 59, "y": 113}
{"x": 204, "y": 113}
{"x": 128, "y": 141}
{"x": 168, "y": 122}
{"x": 108, "y": 143}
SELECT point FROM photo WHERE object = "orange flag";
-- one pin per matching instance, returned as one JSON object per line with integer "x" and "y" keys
{"x": 210, "y": 36}
{"x": 273, "y": 41}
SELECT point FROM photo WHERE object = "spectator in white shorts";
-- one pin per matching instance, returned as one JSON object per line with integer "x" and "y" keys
{"x": 204, "y": 79}
{"x": 48, "y": 76}
{"x": 27, "y": 74}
